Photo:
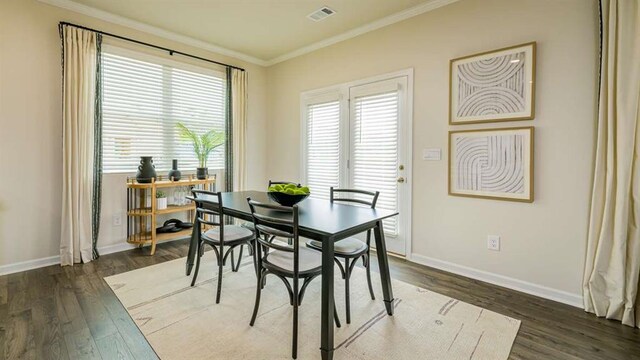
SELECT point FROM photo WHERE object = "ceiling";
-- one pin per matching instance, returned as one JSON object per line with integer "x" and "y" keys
{"x": 262, "y": 29}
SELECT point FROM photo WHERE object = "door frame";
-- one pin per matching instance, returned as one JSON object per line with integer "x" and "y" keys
{"x": 405, "y": 136}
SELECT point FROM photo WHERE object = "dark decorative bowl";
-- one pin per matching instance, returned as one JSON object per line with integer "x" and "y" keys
{"x": 286, "y": 199}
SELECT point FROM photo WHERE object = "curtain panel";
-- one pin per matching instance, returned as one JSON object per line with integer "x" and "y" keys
{"x": 239, "y": 83}
{"x": 612, "y": 267}
{"x": 81, "y": 144}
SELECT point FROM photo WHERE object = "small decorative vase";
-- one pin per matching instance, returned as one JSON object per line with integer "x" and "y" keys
{"x": 174, "y": 173}
{"x": 202, "y": 173}
{"x": 161, "y": 203}
{"x": 146, "y": 170}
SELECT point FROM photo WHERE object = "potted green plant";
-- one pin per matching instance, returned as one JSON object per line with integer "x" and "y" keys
{"x": 161, "y": 200}
{"x": 203, "y": 145}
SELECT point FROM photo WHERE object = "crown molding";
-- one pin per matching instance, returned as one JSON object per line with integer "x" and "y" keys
{"x": 169, "y": 35}
{"x": 377, "y": 24}
{"x": 133, "y": 24}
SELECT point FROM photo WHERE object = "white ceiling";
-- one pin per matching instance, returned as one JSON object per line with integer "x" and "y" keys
{"x": 268, "y": 30}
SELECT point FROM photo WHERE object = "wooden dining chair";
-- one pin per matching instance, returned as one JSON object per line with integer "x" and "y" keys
{"x": 351, "y": 249}
{"x": 218, "y": 235}
{"x": 284, "y": 261}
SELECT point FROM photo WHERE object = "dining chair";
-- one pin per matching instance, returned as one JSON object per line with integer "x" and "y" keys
{"x": 271, "y": 182}
{"x": 218, "y": 235}
{"x": 351, "y": 249}
{"x": 282, "y": 260}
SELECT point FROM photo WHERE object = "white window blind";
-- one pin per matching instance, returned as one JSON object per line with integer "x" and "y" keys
{"x": 375, "y": 150}
{"x": 323, "y": 148}
{"x": 142, "y": 102}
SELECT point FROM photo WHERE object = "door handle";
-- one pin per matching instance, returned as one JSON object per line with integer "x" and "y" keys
{"x": 400, "y": 179}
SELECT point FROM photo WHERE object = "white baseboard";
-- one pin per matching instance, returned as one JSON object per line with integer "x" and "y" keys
{"x": 501, "y": 280}
{"x": 54, "y": 260}
{"x": 28, "y": 265}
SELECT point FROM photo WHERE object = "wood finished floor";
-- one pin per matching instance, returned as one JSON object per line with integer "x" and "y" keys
{"x": 70, "y": 313}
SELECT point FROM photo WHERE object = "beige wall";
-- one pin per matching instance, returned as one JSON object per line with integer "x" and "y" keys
{"x": 31, "y": 129}
{"x": 542, "y": 243}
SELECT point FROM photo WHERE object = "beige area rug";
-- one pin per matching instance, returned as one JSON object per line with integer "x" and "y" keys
{"x": 183, "y": 322}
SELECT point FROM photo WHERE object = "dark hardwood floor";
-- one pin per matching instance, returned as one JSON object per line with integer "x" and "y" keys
{"x": 70, "y": 313}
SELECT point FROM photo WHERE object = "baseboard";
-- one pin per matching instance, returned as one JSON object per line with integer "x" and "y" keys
{"x": 55, "y": 260}
{"x": 501, "y": 280}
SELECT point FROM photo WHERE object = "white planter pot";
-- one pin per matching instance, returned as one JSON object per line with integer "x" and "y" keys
{"x": 161, "y": 203}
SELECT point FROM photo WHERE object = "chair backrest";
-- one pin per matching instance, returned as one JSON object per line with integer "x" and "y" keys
{"x": 339, "y": 195}
{"x": 265, "y": 224}
{"x": 271, "y": 182}
{"x": 209, "y": 207}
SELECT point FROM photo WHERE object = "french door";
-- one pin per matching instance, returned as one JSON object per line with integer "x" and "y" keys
{"x": 358, "y": 136}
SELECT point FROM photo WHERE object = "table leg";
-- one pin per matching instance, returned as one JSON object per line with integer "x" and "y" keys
{"x": 383, "y": 263}
{"x": 193, "y": 244}
{"x": 326, "y": 317}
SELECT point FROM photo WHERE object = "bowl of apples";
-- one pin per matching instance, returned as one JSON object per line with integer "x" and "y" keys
{"x": 289, "y": 194}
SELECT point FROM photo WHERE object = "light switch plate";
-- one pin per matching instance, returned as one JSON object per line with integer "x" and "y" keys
{"x": 433, "y": 154}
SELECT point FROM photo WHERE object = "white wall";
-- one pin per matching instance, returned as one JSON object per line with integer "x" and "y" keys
{"x": 31, "y": 129}
{"x": 543, "y": 243}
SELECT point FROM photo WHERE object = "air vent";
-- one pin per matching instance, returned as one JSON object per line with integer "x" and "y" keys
{"x": 321, "y": 14}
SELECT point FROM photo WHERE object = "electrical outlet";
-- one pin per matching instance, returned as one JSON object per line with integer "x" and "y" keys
{"x": 431, "y": 154}
{"x": 117, "y": 219}
{"x": 493, "y": 242}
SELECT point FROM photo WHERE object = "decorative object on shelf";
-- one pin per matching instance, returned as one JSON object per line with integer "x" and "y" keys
{"x": 492, "y": 163}
{"x": 288, "y": 194}
{"x": 497, "y": 85}
{"x": 146, "y": 170}
{"x": 203, "y": 145}
{"x": 174, "y": 173}
{"x": 143, "y": 211}
{"x": 161, "y": 200}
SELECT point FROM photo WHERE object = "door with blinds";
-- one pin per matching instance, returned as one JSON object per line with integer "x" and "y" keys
{"x": 376, "y": 159}
{"x": 358, "y": 136}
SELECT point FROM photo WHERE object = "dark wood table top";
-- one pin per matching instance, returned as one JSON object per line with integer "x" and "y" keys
{"x": 316, "y": 216}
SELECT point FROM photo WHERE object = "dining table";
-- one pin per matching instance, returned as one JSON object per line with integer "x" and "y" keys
{"x": 321, "y": 220}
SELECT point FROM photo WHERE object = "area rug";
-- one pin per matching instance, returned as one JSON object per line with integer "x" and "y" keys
{"x": 183, "y": 322}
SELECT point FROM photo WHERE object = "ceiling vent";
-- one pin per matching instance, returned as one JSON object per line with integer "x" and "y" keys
{"x": 321, "y": 14}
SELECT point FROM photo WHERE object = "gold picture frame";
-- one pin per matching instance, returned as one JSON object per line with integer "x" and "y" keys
{"x": 497, "y": 85}
{"x": 486, "y": 165}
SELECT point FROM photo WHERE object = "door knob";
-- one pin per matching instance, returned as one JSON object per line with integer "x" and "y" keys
{"x": 401, "y": 179}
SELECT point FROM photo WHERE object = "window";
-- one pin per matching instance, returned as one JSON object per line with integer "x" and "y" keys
{"x": 144, "y": 98}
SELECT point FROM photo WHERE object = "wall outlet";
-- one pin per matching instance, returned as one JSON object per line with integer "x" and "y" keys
{"x": 493, "y": 242}
{"x": 117, "y": 219}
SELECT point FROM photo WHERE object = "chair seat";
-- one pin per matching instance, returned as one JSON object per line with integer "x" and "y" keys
{"x": 347, "y": 247}
{"x": 232, "y": 234}
{"x": 310, "y": 262}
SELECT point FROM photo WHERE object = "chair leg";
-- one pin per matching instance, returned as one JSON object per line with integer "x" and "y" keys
{"x": 346, "y": 289}
{"x": 294, "y": 350}
{"x": 368, "y": 268}
{"x": 335, "y": 315}
{"x": 239, "y": 259}
{"x": 220, "y": 269}
{"x": 257, "y": 304}
{"x": 198, "y": 256}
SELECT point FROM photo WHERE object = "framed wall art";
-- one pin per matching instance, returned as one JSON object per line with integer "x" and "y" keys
{"x": 492, "y": 163}
{"x": 497, "y": 85}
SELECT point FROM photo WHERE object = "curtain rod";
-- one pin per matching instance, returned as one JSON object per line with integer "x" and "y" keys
{"x": 170, "y": 51}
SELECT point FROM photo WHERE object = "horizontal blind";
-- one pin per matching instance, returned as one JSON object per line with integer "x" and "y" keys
{"x": 323, "y": 148}
{"x": 142, "y": 103}
{"x": 375, "y": 150}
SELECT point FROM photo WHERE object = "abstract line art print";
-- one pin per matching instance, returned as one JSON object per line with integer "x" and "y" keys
{"x": 493, "y": 163}
{"x": 493, "y": 86}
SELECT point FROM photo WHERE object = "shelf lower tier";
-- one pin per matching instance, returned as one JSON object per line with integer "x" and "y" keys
{"x": 145, "y": 238}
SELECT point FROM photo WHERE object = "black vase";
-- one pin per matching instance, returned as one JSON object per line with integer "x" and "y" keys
{"x": 174, "y": 173}
{"x": 202, "y": 173}
{"x": 146, "y": 170}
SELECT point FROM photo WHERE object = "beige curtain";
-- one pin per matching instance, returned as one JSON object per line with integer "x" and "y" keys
{"x": 239, "y": 85}
{"x": 78, "y": 115}
{"x": 613, "y": 252}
